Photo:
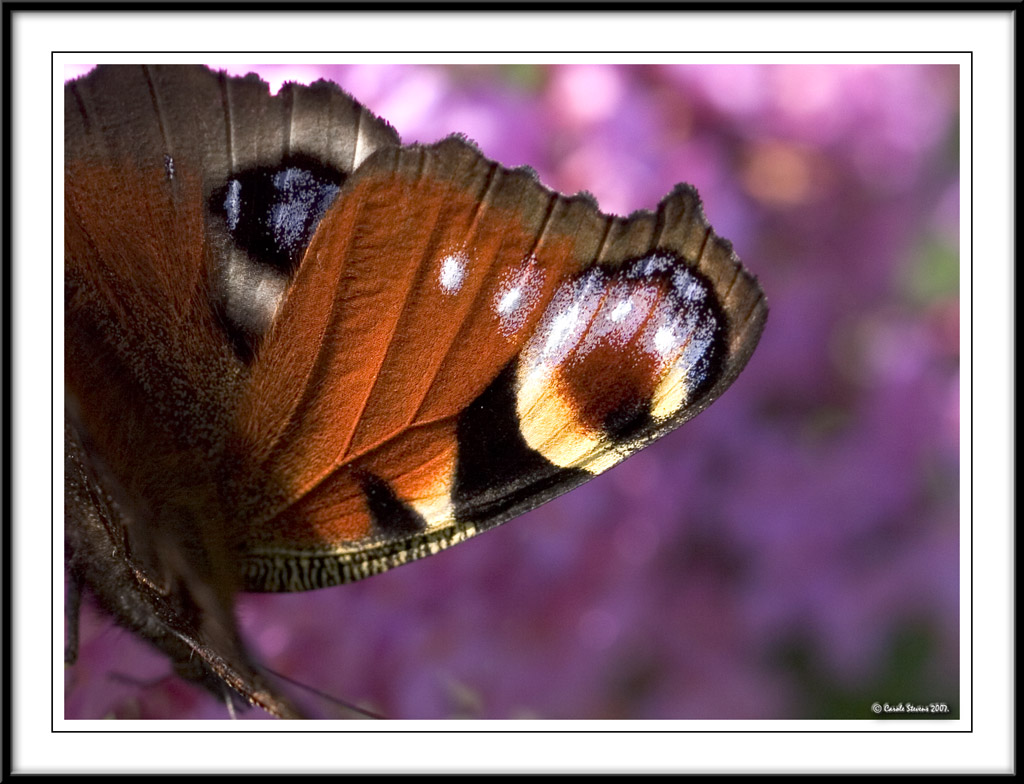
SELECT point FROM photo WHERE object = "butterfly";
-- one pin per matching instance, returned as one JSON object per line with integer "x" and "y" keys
{"x": 299, "y": 353}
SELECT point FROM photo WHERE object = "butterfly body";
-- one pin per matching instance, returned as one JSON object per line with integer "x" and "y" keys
{"x": 299, "y": 353}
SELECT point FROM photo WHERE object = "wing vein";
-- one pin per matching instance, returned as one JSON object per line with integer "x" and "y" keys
{"x": 160, "y": 119}
{"x": 229, "y": 123}
{"x": 289, "y": 120}
{"x": 470, "y": 234}
{"x": 384, "y": 357}
{"x": 348, "y": 460}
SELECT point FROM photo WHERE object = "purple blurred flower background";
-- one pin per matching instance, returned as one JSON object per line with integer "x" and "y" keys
{"x": 791, "y": 553}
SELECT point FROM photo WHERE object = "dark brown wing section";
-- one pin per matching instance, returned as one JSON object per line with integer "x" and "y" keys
{"x": 156, "y": 295}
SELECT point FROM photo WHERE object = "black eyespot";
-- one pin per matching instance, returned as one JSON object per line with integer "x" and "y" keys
{"x": 271, "y": 212}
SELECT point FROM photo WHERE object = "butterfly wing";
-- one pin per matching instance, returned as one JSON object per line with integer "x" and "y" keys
{"x": 298, "y": 354}
{"x": 462, "y": 344}
{"x": 162, "y": 300}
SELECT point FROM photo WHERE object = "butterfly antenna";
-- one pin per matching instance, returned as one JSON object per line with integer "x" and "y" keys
{"x": 324, "y": 695}
{"x": 229, "y": 702}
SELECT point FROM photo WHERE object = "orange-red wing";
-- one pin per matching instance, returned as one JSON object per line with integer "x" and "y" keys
{"x": 460, "y": 344}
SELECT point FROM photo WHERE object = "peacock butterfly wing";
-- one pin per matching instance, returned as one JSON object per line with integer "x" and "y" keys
{"x": 433, "y": 374}
{"x": 297, "y": 358}
{"x": 164, "y": 298}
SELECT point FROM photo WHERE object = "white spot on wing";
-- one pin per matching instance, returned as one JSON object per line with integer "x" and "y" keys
{"x": 621, "y": 310}
{"x": 509, "y": 300}
{"x": 517, "y": 295}
{"x": 626, "y": 306}
{"x": 664, "y": 340}
{"x": 453, "y": 271}
{"x": 688, "y": 287}
{"x": 560, "y": 327}
{"x": 565, "y": 320}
